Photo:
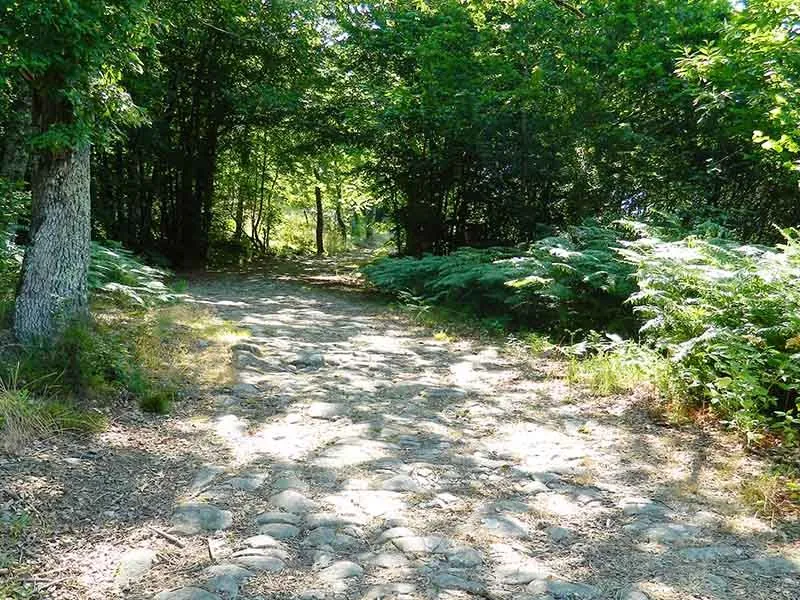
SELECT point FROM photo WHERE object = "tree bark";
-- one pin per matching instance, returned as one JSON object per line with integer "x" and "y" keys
{"x": 53, "y": 289}
{"x": 320, "y": 221}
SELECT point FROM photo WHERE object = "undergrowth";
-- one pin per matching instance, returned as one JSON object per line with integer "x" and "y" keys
{"x": 567, "y": 282}
{"x": 142, "y": 347}
{"x": 773, "y": 495}
{"x": 709, "y": 321}
{"x": 25, "y": 415}
{"x": 614, "y": 366}
{"x": 142, "y": 355}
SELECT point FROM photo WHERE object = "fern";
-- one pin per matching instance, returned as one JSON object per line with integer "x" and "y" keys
{"x": 728, "y": 315}
{"x": 574, "y": 280}
{"x": 116, "y": 272}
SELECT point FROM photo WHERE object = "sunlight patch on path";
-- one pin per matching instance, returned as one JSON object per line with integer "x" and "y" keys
{"x": 392, "y": 465}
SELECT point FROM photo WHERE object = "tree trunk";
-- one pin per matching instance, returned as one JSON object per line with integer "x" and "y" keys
{"x": 53, "y": 288}
{"x": 320, "y": 221}
{"x": 237, "y": 235}
{"x": 339, "y": 218}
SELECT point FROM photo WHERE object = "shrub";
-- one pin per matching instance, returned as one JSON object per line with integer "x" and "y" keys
{"x": 728, "y": 315}
{"x": 157, "y": 401}
{"x": 577, "y": 280}
{"x": 572, "y": 281}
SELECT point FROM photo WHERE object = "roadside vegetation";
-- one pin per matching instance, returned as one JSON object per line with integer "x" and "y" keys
{"x": 706, "y": 319}
{"x": 615, "y": 184}
{"x": 144, "y": 347}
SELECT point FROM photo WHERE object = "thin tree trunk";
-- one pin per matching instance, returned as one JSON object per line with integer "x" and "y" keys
{"x": 237, "y": 235}
{"x": 320, "y": 221}
{"x": 53, "y": 288}
{"x": 257, "y": 222}
{"x": 339, "y": 218}
{"x": 268, "y": 229}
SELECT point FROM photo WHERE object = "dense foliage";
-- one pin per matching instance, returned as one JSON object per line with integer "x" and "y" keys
{"x": 729, "y": 315}
{"x": 565, "y": 282}
{"x": 493, "y": 120}
{"x": 468, "y": 123}
{"x": 114, "y": 273}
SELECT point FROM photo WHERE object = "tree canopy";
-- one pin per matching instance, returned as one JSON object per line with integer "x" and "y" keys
{"x": 221, "y": 132}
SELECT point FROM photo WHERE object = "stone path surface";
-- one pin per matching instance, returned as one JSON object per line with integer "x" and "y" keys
{"x": 359, "y": 458}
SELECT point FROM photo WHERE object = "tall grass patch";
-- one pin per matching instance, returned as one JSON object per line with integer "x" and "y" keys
{"x": 610, "y": 365}
{"x": 25, "y": 415}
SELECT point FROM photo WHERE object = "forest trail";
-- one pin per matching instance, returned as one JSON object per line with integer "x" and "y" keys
{"x": 357, "y": 457}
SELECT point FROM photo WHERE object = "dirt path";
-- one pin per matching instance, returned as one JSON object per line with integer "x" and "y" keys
{"x": 356, "y": 457}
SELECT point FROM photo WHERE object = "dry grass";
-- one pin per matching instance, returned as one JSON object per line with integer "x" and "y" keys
{"x": 25, "y": 417}
{"x": 204, "y": 355}
{"x": 179, "y": 345}
{"x": 151, "y": 355}
{"x": 772, "y": 496}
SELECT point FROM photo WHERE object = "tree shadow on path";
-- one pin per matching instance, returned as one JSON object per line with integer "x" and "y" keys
{"x": 441, "y": 470}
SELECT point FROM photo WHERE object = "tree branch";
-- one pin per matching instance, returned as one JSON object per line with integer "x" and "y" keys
{"x": 571, "y": 7}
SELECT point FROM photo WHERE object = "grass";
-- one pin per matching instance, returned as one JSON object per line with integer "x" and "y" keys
{"x": 172, "y": 348}
{"x": 13, "y": 527}
{"x": 536, "y": 343}
{"x": 773, "y": 495}
{"x": 24, "y": 417}
{"x": 442, "y": 336}
{"x": 620, "y": 370}
{"x": 158, "y": 401}
{"x": 144, "y": 355}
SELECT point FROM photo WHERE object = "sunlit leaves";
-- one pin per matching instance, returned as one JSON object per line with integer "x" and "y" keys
{"x": 751, "y": 74}
{"x": 76, "y": 51}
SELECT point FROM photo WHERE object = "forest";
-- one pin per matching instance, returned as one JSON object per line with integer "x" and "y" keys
{"x": 623, "y": 167}
{"x": 612, "y": 185}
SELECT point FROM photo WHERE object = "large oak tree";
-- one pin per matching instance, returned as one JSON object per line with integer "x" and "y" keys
{"x": 72, "y": 53}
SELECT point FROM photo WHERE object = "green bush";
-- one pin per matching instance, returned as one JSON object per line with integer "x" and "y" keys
{"x": 88, "y": 360}
{"x": 725, "y": 314}
{"x": 568, "y": 282}
{"x": 728, "y": 315}
{"x": 157, "y": 401}
{"x": 577, "y": 280}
